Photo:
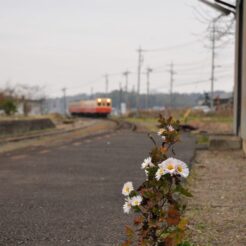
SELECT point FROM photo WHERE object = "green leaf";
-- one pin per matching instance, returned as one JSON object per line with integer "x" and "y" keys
{"x": 164, "y": 235}
{"x": 133, "y": 193}
{"x": 182, "y": 191}
{"x": 152, "y": 172}
{"x": 136, "y": 209}
{"x": 147, "y": 194}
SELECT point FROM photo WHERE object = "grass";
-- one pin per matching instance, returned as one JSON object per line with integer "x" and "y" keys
{"x": 201, "y": 226}
{"x": 149, "y": 124}
{"x": 211, "y": 118}
{"x": 211, "y": 122}
{"x": 202, "y": 139}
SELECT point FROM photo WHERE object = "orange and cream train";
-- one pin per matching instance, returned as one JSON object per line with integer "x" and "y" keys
{"x": 100, "y": 107}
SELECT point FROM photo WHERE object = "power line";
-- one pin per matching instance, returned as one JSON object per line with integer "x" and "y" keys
{"x": 184, "y": 66}
{"x": 197, "y": 63}
{"x": 180, "y": 69}
{"x": 79, "y": 86}
{"x": 172, "y": 47}
{"x": 188, "y": 83}
{"x": 192, "y": 83}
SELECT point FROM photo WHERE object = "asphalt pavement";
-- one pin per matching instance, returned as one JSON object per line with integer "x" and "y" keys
{"x": 70, "y": 194}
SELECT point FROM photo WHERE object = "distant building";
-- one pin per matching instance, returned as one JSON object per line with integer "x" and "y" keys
{"x": 224, "y": 103}
{"x": 30, "y": 107}
{"x": 54, "y": 105}
{"x": 204, "y": 100}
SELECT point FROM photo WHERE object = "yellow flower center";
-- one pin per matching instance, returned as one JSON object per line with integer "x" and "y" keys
{"x": 170, "y": 166}
{"x": 127, "y": 189}
{"x": 180, "y": 169}
{"x": 136, "y": 203}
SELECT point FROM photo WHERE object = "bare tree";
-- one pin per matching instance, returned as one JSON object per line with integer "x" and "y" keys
{"x": 224, "y": 25}
{"x": 25, "y": 94}
{"x": 218, "y": 33}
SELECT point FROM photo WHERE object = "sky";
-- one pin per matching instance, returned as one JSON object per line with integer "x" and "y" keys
{"x": 73, "y": 43}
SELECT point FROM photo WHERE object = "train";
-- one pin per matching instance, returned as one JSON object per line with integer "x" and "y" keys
{"x": 99, "y": 107}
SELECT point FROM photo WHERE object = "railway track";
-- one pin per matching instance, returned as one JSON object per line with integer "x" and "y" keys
{"x": 124, "y": 125}
{"x": 120, "y": 125}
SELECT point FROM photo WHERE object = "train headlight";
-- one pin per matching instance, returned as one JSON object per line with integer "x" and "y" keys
{"x": 99, "y": 100}
{"x": 108, "y": 100}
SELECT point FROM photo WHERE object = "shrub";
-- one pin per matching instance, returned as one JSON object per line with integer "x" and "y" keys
{"x": 158, "y": 203}
{"x": 8, "y": 106}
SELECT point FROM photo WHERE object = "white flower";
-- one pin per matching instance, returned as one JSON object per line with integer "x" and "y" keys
{"x": 169, "y": 165}
{"x": 174, "y": 166}
{"x": 170, "y": 128}
{"x": 182, "y": 169}
{"x": 161, "y": 131}
{"x": 136, "y": 200}
{"x": 147, "y": 163}
{"x": 146, "y": 173}
{"x": 127, "y": 188}
{"x": 127, "y": 206}
{"x": 159, "y": 173}
{"x": 163, "y": 138}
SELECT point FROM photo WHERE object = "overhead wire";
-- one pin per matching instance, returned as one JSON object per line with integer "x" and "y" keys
{"x": 172, "y": 47}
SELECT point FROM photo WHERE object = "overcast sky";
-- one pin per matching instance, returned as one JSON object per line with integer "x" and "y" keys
{"x": 72, "y": 43}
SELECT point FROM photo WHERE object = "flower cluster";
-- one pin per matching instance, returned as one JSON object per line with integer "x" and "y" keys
{"x": 164, "y": 131}
{"x": 147, "y": 163}
{"x": 172, "y": 166}
{"x": 168, "y": 130}
{"x": 157, "y": 201}
{"x": 131, "y": 199}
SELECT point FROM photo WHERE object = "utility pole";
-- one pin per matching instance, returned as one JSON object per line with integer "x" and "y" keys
{"x": 148, "y": 71}
{"x": 171, "y": 71}
{"x": 212, "y": 65}
{"x": 92, "y": 92}
{"x": 225, "y": 9}
{"x": 126, "y": 73}
{"x": 64, "y": 100}
{"x": 140, "y": 61}
{"x": 120, "y": 97}
{"x": 106, "y": 84}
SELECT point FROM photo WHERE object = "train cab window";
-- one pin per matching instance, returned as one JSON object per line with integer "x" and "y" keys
{"x": 99, "y": 104}
{"x": 108, "y": 104}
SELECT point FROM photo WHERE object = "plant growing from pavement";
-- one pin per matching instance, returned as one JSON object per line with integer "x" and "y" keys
{"x": 159, "y": 204}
